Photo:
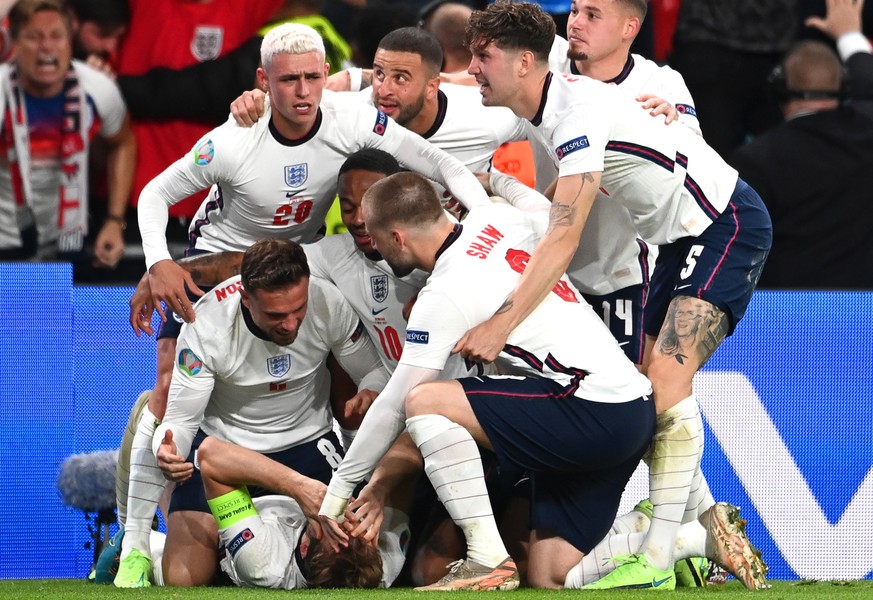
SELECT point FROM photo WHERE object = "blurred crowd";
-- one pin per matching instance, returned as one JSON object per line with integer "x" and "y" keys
{"x": 80, "y": 142}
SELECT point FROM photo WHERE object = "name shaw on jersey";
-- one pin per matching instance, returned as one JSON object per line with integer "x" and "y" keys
{"x": 489, "y": 236}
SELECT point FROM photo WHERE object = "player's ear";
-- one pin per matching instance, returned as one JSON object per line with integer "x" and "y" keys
{"x": 526, "y": 62}
{"x": 245, "y": 298}
{"x": 263, "y": 82}
{"x": 326, "y": 70}
{"x": 631, "y": 27}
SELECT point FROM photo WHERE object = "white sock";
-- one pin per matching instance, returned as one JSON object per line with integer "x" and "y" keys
{"x": 632, "y": 522}
{"x": 700, "y": 498}
{"x": 454, "y": 467}
{"x": 598, "y": 563}
{"x": 145, "y": 488}
{"x": 690, "y": 541}
{"x": 674, "y": 459}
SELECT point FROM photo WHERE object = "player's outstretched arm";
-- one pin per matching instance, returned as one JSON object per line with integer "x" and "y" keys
{"x": 205, "y": 269}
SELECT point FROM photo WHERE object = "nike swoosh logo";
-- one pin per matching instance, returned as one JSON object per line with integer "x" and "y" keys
{"x": 381, "y": 310}
{"x": 660, "y": 582}
{"x": 681, "y": 287}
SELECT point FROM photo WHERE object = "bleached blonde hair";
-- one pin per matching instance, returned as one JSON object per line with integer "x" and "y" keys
{"x": 290, "y": 38}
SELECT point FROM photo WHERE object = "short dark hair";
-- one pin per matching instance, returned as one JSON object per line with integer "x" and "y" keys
{"x": 24, "y": 10}
{"x": 273, "y": 264}
{"x": 358, "y": 565}
{"x": 417, "y": 41}
{"x": 106, "y": 14}
{"x": 516, "y": 25}
{"x": 403, "y": 198}
{"x": 370, "y": 159}
{"x": 638, "y": 7}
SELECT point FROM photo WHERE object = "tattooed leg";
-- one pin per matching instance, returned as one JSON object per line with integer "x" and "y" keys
{"x": 692, "y": 330}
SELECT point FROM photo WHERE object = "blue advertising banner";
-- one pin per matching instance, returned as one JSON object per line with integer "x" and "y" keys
{"x": 786, "y": 403}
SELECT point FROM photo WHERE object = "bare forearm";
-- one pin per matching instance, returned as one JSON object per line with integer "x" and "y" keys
{"x": 212, "y": 269}
{"x": 550, "y": 259}
{"x": 120, "y": 168}
{"x": 234, "y": 466}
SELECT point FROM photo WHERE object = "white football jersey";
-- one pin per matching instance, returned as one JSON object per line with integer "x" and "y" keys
{"x": 562, "y": 339}
{"x": 376, "y": 295}
{"x": 264, "y": 185}
{"x": 249, "y": 391}
{"x": 465, "y": 128}
{"x": 275, "y": 539}
{"x": 671, "y": 182}
{"x": 611, "y": 256}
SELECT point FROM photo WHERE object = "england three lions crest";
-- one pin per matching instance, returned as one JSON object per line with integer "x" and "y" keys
{"x": 379, "y": 287}
{"x": 207, "y": 42}
{"x": 279, "y": 365}
{"x": 296, "y": 175}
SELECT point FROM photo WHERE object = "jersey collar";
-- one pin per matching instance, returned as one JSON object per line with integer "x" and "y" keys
{"x": 625, "y": 71}
{"x": 250, "y": 323}
{"x": 450, "y": 239}
{"x": 538, "y": 118}
{"x": 309, "y": 135}
{"x": 443, "y": 104}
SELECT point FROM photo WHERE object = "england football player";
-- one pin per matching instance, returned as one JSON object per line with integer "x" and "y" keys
{"x": 251, "y": 370}
{"x": 564, "y": 406}
{"x": 271, "y": 542}
{"x": 277, "y": 179}
{"x": 405, "y": 85}
{"x": 613, "y": 265}
{"x": 713, "y": 230}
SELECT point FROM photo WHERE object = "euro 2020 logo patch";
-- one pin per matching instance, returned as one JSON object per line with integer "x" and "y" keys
{"x": 189, "y": 363}
{"x": 279, "y": 365}
{"x": 296, "y": 175}
{"x": 379, "y": 287}
{"x": 204, "y": 152}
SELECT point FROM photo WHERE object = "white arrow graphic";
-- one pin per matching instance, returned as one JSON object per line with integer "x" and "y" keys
{"x": 813, "y": 547}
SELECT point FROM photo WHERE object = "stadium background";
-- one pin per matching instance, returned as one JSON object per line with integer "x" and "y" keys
{"x": 786, "y": 403}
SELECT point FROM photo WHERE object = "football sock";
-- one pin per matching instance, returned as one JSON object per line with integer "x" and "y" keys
{"x": 122, "y": 469}
{"x": 598, "y": 563}
{"x": 674, "y": 458}
{"x": 632, "y": 522}
{"x": 145, "y": 488}
{"x": 454, "y": 467}
{"x": 690, "y": 542}
{"x": 700, "y": 498}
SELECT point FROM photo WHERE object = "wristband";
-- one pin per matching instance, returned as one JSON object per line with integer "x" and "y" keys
{"x": 355, "y": 76}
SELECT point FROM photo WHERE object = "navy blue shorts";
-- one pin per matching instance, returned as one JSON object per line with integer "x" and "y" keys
{"x": 173, "y": 325}
{"x": 581, "y": 453}
{"x": 622, "y": 312}
{"x": 307, "y": 459}
{"x": 722, "y": 265}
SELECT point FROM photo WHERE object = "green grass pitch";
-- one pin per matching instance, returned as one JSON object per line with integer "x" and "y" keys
{"x": 72, "y": 589}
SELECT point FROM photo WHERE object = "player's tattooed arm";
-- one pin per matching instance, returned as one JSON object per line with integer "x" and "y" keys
{"x": 211, "y": 269}
{"x": 505, "y": 307}
{"x": 564, "y": 212}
